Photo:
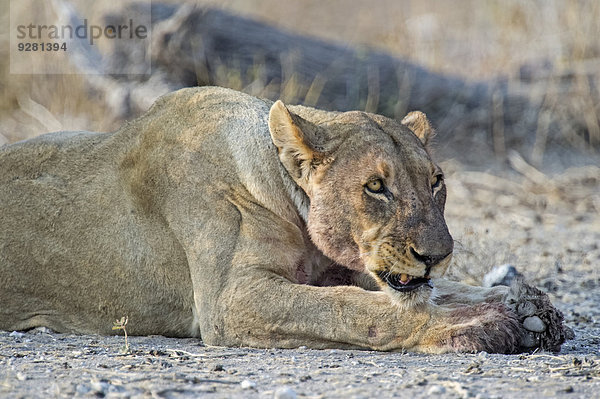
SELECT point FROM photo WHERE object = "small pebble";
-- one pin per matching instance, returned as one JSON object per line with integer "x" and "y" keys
{"x": 534, "y": 323}
{"x": 100, "y": 386}
{"x": 436, "y": 390}
{"x": 82, "y": 389}
{"x": 16, "y": 334}
{"x": 21, "y": 376}
{"x": 285, "y": 393}
{"x": 41, "y": 330}
{"x": 247, "y": 384}
{"x": 569, "y": 389}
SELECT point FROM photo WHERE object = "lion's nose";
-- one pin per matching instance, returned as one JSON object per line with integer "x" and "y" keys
{"x": 428, "y": 260}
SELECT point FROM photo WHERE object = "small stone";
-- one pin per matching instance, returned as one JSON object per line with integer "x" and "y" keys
{"x": 500, "y": 275}
{"x": 247, "y": 384}
{"x": 116, "y": 389}
{"x": 535, "y": 324}
{"x": 473, "y": 368}
{"x": 569, "y": 389}
{"x": 436, "y": 390}
{"x": 21, "y": 376}
{"x": 422, "y": 382}
{"x": 100, "y": 387}
{"x": 526, "y": 309}
{"x": 82, "y": 389}
{"x": 218, "y": 367}
{"x": 16, "y": 334}
{"x": 285, "y": 393}
{"x": 41, "y": 330}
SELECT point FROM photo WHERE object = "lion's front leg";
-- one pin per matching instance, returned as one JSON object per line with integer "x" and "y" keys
{"x": 448, "y": 293}
{"x": 261, "y": 305}
{"x": 262, "y": 309}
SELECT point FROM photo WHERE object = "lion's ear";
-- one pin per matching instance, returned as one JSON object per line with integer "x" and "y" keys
{"x": 292, "y": 141}
{"x": 419, "y": 124}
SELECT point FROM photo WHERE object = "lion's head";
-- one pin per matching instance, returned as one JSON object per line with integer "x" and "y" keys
{"x": 376, "y": 197}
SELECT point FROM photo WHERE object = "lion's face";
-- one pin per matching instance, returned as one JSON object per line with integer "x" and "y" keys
{"x": 376, "y": 198}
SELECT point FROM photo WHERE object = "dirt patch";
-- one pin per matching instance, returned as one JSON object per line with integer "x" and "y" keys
{"x": 40, "y": 364}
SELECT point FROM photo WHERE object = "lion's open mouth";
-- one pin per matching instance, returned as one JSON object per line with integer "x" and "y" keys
{"x": 403, "y": 282}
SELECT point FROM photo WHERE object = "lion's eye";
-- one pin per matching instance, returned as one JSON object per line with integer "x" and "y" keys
{"x": 439, "y": 179}
{"x": 375, "y": 186}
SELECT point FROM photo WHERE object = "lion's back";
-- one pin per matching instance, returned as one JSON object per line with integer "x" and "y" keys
{"x": 33, "y": 156}
{"x": 75, "y": 227}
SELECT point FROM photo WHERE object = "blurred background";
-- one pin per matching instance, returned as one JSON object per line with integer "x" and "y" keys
{"x": 492, "y": 76}
{"x": 512, "y": 87}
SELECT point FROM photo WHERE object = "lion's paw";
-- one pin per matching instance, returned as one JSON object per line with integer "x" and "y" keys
{"x": 543, "y": 323}
{"x": 489, "y": 327}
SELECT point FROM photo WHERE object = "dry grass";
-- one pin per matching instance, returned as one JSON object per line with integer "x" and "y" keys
{"x": 469, "y": 38}
{"x": 555, "y": 40}
{"x": 34, "y": 104}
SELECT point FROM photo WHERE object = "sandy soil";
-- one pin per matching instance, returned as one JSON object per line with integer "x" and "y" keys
{"x": 548, "y": 227}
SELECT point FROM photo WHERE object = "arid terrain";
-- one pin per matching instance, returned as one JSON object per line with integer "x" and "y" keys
{"x": 537, "y": 209}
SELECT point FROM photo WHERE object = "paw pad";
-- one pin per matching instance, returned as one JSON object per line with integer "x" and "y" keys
{"x": 542, "y": 321}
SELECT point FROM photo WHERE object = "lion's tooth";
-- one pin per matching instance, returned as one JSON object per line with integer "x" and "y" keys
{"x": 404, "y": 277}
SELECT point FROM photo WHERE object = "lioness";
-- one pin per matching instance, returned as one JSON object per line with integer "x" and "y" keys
{"x": 243, "y": 222}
